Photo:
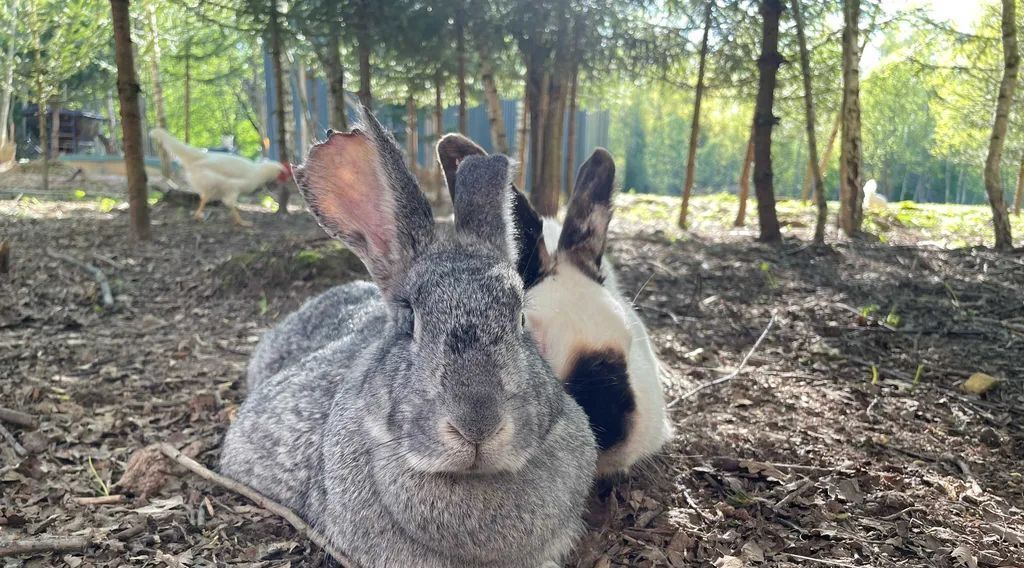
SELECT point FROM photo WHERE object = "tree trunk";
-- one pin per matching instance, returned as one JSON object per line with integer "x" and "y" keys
{"x": 851, "y": 152}
{"x": 44, "y": 146}
{"x": 748, "y": 160}
{"x": 536, "y": 99}
{"x": 158, "y": 87}
{"x": 812, "y": 142}
{"x": 411, "y": 142}
{"x": 55, "y": 130}
{"x": 494, "y": 114}
{"x": 438, "y": 132}
{"x": 7, "y": 89}
{"x": 188, "y": 87}
{"x": 365, "y": 96}
{"x": 112, "y": 123}
{"x": 570, "y": 136}
{"x": 276, "y": 53}
{"x": 522, "y": 141}
{"x": 128, "y": 92}
{"x": 336, "y": 81}
{"x": 460, "y": 54}
{"x": 825, "y": 157}
{"x": 691, "y": 151}
{"x": 764, "y": 120}
{"x": 1020, "y": 188}
{"x": 1011, "y": 62}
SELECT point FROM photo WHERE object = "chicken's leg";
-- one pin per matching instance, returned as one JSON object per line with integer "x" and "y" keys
{"x": 198, "y": 215}
{"x": 238, "y": 218}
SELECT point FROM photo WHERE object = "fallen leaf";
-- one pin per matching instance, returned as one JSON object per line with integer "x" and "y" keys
{"x": 979, "y": 383}
{"x": 161, "y": 507}
{"x": 752, "y": 552}
{"x": 730, "y": 562}
{"x": 963, "y": 555}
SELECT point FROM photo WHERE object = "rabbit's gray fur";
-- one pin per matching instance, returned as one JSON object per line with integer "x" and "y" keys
{"x": 370, "y": 437}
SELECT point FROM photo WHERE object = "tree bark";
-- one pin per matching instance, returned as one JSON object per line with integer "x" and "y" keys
{"x": 131, "y": 123}
{"x": 276, "y": 53}
{"x": 825, "y": 157}
{"x": 748, "y": 161}
{"x": 1011, "y": 63}
{"x": 7, "y": 89}
{"x": 764, "y": 120}
{"x": 41, "y": 95}
{"x": 411, "y": 141}
{"x": 1017, "y": 197}
{"x": 55, "y": 129}
{"x": 691, "y": 151}
{"x": 188, "y": 87}
{"x": 851, "y": 152}
{"x": 336, "y": 80}
{"x": 158, "y": 87}
{"x": 522, "y": 141}
{"x": 570, "y": 136}
{"x": 812, "y": 142}
{"x": 497, "y": 119}
{"x": 460, "y": 54}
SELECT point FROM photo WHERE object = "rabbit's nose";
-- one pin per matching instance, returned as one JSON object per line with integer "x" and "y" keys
{"x": 475, "y": 430}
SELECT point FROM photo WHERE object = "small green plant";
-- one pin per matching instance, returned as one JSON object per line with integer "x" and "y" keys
{"x": 107, "y": 204}
{"x": 78, "y": 194}
{"x": 868, "y": 311}
{"x": 268, "y": 203}
{"x": 99, "y": 480}
{"x": 308, "y": 256}
{"x": 874, "y": 375}
{"x": 263, "y": 304}
{"x": 766, "y": 269}
{"x": 893, "y": 319}
{"x": 918, "y": 374}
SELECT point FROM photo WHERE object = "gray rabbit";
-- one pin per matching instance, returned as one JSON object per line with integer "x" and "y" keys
{"x": 429, "y": 431}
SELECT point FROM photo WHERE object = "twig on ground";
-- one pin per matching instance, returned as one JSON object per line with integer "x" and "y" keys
{"x": 731, "y": 375}
{"x": 254, "y": 496}
{"x": 16, "y": 417}
{"x": 102, "y": 500}
{"x": 820, "y": 560}
{"x": 44, "y": 544}
{"x": 107, "y": 297}
{"x": 899, "y": 514}
{"x": 18, "y": 448}
{"x": 804, "y": 486}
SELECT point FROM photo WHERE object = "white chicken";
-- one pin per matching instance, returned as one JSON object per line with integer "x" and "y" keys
{"x": 872, "y": 199}
{"x": 220, "y": 176}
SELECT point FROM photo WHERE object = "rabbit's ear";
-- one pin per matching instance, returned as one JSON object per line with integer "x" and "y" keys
{"x": 360, "y": 191}
{"x": 451, "y": 150}
{"x": 529, "y": 235}
{"x": 590, "y": 210}
{"x": 483, "y": 203}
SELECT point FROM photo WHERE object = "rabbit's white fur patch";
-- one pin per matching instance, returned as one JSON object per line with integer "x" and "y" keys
{"x": 569, "y": 313}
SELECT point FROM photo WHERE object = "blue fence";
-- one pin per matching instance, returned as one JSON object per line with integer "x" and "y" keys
{"x": 591, "y": 126}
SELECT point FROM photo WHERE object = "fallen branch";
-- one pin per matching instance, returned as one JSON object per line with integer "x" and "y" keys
{"x": 101, "y": 500}
{"x": 44, "y": 544}
{"x": 108, "y": 298}
{"x": 18, "y": 448}
{"x": 731, "y": 375}
{"x": 18, "y": 418}
{"x": 256, "y": 497}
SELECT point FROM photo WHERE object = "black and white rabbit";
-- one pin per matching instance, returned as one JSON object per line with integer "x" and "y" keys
{"x": 431, "y": 433}
{"x": 586, "y": 329}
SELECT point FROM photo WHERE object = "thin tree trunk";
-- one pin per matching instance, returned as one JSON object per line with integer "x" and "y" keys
{"x": 365, "y": 71}
{"x": 497, "y": 119}
{"x": 7, "y": 89}
{"x": 302, "y": 137}
{"x": 748, "y": 161}
{"x": 522, "y": 141}
{"x": 336, "y": 81}
{"x": 158, "y": 86}
{"x": 55, "y": 130}
{"x": 1017, "y": 196}
{"x": 276, "y": 53}
{"x": 460, "y": 54}
{"x": 44, "y": 146}
{"x": 960, "y": 187}
{"x": 438, "y": 131}
{"x": 570, "y": 136}
{"x": 850, "y": 208}
{"x": 764, "y": 120}
{"x": 40, "y": 88}
{"x": 112, "y": 122}
{"x": 411, "y": 142}
{"x": 188, "y": 87}
{"x": 812, "y": 142}
{"x": 691, "y": 151}
{"x": 128, "y": 92}
{"x": 1011, "y": 63}
{"x": 825, "y": 157}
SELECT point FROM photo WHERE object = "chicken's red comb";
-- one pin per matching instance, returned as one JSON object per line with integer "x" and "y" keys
{"x": 286, "y": 172}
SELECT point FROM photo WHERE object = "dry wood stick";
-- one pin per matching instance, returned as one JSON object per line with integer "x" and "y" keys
{"x": 256, "y": 497}
{"x": 101, "y": 500}
{"x": 18, "y": 448}
{"x": 16, "y": 417}
{"x": 44, "y": 544}
{"x": 108, "y": 298}
{"x": 731, "y": 375}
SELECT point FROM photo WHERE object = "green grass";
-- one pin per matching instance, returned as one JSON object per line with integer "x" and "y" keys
{"x": 942, "y": 225}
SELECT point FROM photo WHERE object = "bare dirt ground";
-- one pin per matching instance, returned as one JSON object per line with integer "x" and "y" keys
{"x": 829, "y": 448}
